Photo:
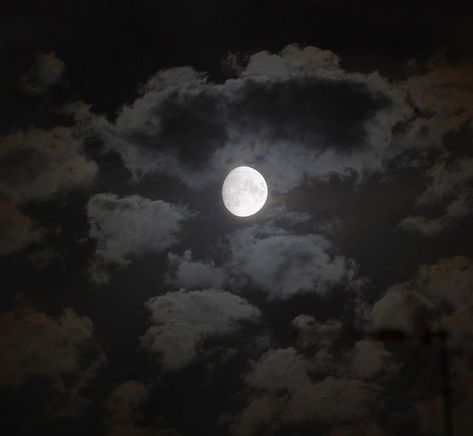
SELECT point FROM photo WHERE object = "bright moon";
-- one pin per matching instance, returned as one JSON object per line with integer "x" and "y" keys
{"x": 244, "y": 191}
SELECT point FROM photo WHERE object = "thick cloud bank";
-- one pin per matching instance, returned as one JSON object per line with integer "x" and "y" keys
{"x": 297, "y": 106}
{"x": 296, "y": 114}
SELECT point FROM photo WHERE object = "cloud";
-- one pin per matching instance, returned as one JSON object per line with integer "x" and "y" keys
{"x": 16, "y": 229}
{"x": 124, "y": 411}
{"x": 400, "y": 308}
{"x": 279, "y": 369}
{"x": 332, "y": 400}
{"x": 460, "y": 208}
{"x": 60, "y": 348}
{"x": 193, "y": 274}
{"x": 438, "y": 297}
{"x": 448, "y": 283}
{"x": 297, "y": 114}
{"x": 285, "y": 394}
{"x": 430, "y": 413}
{"x": 292, "y": 61}
{"x": 318, "y": 341}
{"x": 35, "y": 165}
{"x": 444, "y": 98}
{"x": 445, "y": 93}
{"x": 131, "y": 226}
{"x": 447, "y": 178}
{"x": 282, "y": 264}
{"x": 298, "y": 107}
{"x": 262, "y": 414}
{"x": 449, "y": 279}
{"x": 33, "y": 343}
{"x": 182, "y": 320}
{"x": 450, "y": 181}
{"x": 44, "y": 74}
{"x": 312, "y": 333}
{"x": 441, "y": 96}
{"x": 430, "y": 227}
{"x": 369, "y": 358}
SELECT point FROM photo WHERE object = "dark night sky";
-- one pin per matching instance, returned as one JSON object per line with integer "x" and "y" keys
{"x": 134, "y": 304}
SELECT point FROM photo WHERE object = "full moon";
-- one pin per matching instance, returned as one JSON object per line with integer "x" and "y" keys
{"x": 244, "y": 191}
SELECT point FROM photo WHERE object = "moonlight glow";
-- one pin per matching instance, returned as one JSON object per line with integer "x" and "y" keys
{"x": 244, "y": 191}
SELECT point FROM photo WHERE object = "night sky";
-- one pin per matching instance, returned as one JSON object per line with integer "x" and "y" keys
{"x": 133, "y": 303}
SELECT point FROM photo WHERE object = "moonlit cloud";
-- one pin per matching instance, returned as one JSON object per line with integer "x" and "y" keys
{"x": 182, "y": 320}
{"x": 190, "y": 273}
{"x": 129, "y": 226}
{"x": 257, "y": 118}
{"x": 282, "y": 264}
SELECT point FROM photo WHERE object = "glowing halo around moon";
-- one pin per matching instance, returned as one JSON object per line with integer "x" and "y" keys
{"x": 244, "y": 191}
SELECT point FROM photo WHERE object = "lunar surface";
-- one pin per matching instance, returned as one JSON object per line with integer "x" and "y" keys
{"x": 244, "y": 191}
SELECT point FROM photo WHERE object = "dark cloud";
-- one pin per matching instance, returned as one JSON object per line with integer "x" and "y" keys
{"x": 369, "y": 359}
{"x": 320, "y": 114}
{"x": 44, "y": 74}
{"x": 125, "y": 410}
{"x": 35, "y": 165}
{"x": 17, "y": 230}
{"x": 192, "y": 126}
{"x": 61, "y": 348}
{"x": 430, "y": 227}
{"x": 428, "y": 412}
{"x": 455, "y": 212}
{"x": 449, "y": 181}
